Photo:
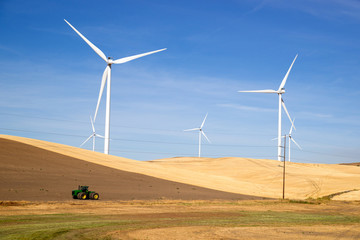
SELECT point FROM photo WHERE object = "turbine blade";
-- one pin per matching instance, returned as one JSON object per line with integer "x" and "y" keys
{"x": 92, "y": 124}
{"x": 287, "y": 74}
{"x": 287, "y": 113}
{"x": 192, "y": 129}
{"x": 87, "y": 140}
{"x": 296, "y": 143}
{"x": 127, "y": 59}
{"x": 277, "y": 138}
{"x": 292, "y": 126}
{"x": 103, "y": 81}
{"x": 97, "y": 50}
{"x": 202, "y": 124}
{"x": 100, "y": 136}
{"x": 205, "y": 136}
{"x": 261, "y": 91}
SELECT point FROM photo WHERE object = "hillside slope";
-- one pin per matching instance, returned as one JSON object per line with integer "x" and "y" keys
{"x": 255, "y": 177}
{"x": 36, "y": 174}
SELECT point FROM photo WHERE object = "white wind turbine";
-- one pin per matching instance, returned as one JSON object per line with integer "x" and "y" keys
{"x": 292, "y": 139}
{"x": 93, "y": 135}
{"x": 279, "y": 92}
{"x": 201, "y": 132}
{"x": 107, "y": 77}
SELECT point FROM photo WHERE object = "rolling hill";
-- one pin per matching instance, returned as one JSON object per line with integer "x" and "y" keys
{"x": 33, "y": 173}
{"x": 39, "y": 170}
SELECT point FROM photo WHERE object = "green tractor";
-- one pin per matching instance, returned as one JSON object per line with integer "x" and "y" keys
{"x": 83, "y": 193}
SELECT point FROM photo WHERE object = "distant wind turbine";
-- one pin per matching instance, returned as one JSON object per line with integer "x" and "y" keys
{"x": 279, "y": 92}
{"x": 107, "y": 77}
{"x": 292, "y": 139}
{"x": 93, "y": 135}
{"x": 201, "y": 132}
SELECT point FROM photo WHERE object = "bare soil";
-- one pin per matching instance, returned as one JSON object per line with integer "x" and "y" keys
{"x": 35, "y": 174}
{"x": 250, "y": 233}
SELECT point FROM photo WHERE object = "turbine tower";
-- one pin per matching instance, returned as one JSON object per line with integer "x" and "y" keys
{"x": 201, "y": 132}
{"x": 279, "y": 92}
{"x": 93, "y": 135}
{"x": 107, "y": 77}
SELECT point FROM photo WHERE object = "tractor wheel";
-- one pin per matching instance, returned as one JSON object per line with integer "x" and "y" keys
{"x": 95, "y": 196}
{"x": 81, "y": 196}
{"x": 91, "y": 195}
{"x": 74, "y": 197}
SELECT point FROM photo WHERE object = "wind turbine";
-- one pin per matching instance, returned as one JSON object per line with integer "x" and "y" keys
{"x": 201, "y": 132}
{"x": 107, "y": 77}
{"x": 279, "y": 92}
{"x": 93, "y": 135}
{"x": 291, "y": 139}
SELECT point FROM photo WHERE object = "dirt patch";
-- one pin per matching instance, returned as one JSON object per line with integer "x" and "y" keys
{"x": 351, "y": 195}
{"x": 250, "y": 233}
{"x": 13, "y": 203}
{"x": 357, "y": 164}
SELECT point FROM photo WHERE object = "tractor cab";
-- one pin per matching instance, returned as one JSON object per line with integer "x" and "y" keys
{"x": 83, "y": 188}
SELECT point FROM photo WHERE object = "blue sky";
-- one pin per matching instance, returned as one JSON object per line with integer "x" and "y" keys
{"x": 50, "y": 78}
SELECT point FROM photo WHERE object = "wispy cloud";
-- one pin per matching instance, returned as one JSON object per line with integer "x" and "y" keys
{"x": 258, "y": 7}
{"x": 331, "y": 8}
{"x": 315, "y": 115}
{"x": 338, "y": 120}
{"x": 52, "y": 31}
{"x": 10, "y": 50}
{"x": 328, "y": 9}
{"x": 246, "y": 108}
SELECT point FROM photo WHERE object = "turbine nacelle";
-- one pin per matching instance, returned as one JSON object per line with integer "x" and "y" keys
{"x": 109, "y": 60}
{"x": 281, "y": 91}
